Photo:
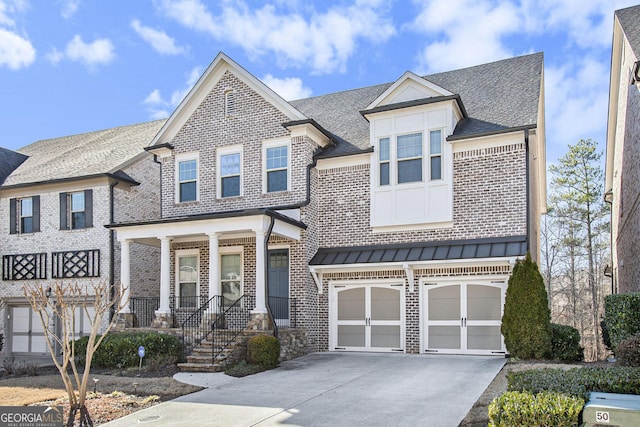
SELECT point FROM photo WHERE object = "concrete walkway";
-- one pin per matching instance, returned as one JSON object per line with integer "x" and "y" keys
{"x": 333, "y": 389}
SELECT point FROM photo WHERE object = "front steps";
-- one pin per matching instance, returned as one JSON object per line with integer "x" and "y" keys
{"x": 200, "y": 359}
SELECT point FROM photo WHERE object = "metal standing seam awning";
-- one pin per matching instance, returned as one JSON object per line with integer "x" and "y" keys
{"x": 405, "y": 254}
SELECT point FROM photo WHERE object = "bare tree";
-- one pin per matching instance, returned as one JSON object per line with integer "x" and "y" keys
{"x": 65, "y": 303}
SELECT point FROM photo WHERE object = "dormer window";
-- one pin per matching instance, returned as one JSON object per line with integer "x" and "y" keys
{"x": 229, "y": 102}
{"x": 435, "y": 154}
{"x": 409, "y": 151}
{"x": 383, "y": 157}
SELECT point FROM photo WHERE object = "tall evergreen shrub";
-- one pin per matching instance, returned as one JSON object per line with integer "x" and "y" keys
{"x": 526, "y": 323}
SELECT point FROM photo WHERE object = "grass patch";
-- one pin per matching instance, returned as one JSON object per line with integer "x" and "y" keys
{"x": 242, "y": 369}
{"x": 22, "y": 396}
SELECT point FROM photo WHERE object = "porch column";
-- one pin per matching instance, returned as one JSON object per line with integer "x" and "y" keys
{"x": 214, "y": 268}
{"x": 261, "y": 290}
{"x": 165, "y": 273}
{"x": 125, "y": 273}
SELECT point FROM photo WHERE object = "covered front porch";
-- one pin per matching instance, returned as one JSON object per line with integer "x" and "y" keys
{"x": 210, "y": 264}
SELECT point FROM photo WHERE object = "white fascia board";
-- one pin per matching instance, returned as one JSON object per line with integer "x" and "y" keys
{"x": 311, "y": 132}
{"x": 203, "y": 87}
{"x": 285, "y": 229}
{"x": 408, "y": 75}
{"x": 487, "y": 141}
{"x": 344, "y": 161}
{"x": 614, "y": 87}
{"x": 402, "y": 266}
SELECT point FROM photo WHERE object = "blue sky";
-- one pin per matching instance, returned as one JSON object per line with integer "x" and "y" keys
{"x": 72, "y": 66}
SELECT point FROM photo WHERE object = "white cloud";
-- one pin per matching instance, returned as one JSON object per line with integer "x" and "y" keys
{"x": 289, "y": 88}
{"x": 54, "y": 56}
{"x": 15, "y": 51}
{"x": 159, "y": 107}
{"x": 69, "y": 8}
{"x": 8, "y": 7}
{"x": 463, "y": 39}
{"x": 101, "y": 51}
{"x": 159, "y": 40}
{"x": 323, "y": 41}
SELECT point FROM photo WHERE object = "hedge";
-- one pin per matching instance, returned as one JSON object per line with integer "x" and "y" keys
{"x": 516, "y": 409}
{"x": 622, "y": 316}
{"x": 120, "y": 349}
{"x": 565, "y": 343}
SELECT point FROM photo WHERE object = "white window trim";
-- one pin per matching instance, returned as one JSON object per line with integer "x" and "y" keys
{"x": 273, "y": 144}
{"x": 235, "y": 149}
{"x": 441, "y": 155}
{"x": 396, "y": 160}
{"x": 232, "y": 250}
{"x": 388, "y": 161}
{"x": 182, "y": 158}
{"x": 71, "y": 211}
{"x": 20, "y": 216}
{"x": 185, "y": 253}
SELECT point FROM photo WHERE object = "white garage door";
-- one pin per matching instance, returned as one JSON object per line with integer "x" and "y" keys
{"x": 367, "y": 317}
{"x": 463, "y": 318}
{"x": 27, "y": 334}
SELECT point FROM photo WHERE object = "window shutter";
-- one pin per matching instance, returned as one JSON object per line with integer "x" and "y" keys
{"x": 63, "y": 212}
{"x": 88, "y": 208}
{"x": 36, "y": 213}
{"x": 12, "y": 216}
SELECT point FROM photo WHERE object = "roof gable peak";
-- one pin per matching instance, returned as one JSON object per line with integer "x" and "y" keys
{"x": 409, "y": 87}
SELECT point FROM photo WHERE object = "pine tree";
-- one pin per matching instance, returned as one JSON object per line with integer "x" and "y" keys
{"x": 526, "y": 323}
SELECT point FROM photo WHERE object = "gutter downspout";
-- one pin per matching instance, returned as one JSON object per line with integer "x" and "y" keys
{"x": 608, "y": 199}
{"x": 528, "y": 191}
{"x": 266, "y": 274}
{"x": 112, "y": 248}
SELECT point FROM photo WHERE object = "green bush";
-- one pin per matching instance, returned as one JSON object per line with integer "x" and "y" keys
{"x": 628, "y": 351}
{"x": 606, "y": 337}
{"x": 516, "y": 409}
{"x": 526, "y": 324}
{"x": 622, "y": 312}
{"x": 565, "y": 343}
{"x": 120, "y": 350}
{"x": 264, "y": 350}
{"x": 577, "y": 382}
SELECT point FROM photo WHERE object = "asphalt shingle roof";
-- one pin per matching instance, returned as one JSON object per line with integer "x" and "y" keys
{"x": 498, "y": 95}
{"x": 9, "y": 160}
{"x": 630, "y": 22}
{"x": 512, "y": 246}
{"x": 86, "y": 154}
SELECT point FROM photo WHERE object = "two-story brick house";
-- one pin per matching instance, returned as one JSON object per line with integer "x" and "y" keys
{"x": 622, "y": 181}
{"x": 387, "y": 218}
{"x": 54, "y": 205}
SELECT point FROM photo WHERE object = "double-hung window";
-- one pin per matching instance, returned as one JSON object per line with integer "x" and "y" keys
{"x": 187, "y": 289}
{"x": 187, "y": 185}
{"x": 384, "y": 160}
{"x": 276, "y": 168}
{"x": 76, "y": 210}
{"x": 230, "y": 172}
{"x": 24, "y": 215}
{"x": 231, "y": 277}
{"x": 409, "y": 157}
{"x": 435, "y": 155}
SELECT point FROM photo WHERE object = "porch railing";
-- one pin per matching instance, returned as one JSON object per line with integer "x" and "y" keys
{"x": 197, "y": 326}
{"x": 184, "y": 307}
{"x": 230, "y": 324}
{"x": 144, "y": 308}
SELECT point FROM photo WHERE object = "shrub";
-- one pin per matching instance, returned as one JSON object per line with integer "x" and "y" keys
{"x": 577, "y": 382}
{"x": 263, "y": 350}
{"x": 120, "y": 350}
{"x": 526, "y": 324}
{"x": 515, "y": 409}
{"x": 622, "y": 312}
{"x": 628, "y": 351}
{"x": 565, "y": 343}
{"x": 606, "y": 337}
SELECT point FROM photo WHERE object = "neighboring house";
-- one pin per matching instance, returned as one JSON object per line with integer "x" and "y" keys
{"x": 54, "y": 207}
{"x": 9, "y": 161}
{"x": 384, "y": 218}
{"x": 622, "y": 183}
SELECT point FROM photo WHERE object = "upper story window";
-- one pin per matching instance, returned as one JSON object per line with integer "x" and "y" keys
{"x": 435, "y": 155}
{"x": 384, "y": 158}
{"x": 230, "y": 172}
{"x": 76, "y": 210}
{"x": 24, "y": 216}
{"x": 187, "y": 178}
{"x": 275, "y": 166}
{"x": 409, "y": 156}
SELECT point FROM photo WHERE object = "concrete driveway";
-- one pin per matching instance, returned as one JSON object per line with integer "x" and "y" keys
{"x": 333, "y": 389}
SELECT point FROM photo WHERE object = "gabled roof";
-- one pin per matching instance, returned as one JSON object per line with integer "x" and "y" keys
{"x": 499, "y": 247}
{"x": 102, "y": 152}
{"x": 629, "y": 19}
{"x": 9, "y": 161}
{"x": 497, "y": 96}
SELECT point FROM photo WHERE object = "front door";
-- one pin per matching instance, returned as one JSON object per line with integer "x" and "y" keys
{"x": 367, "y": 317}
{"x": 463, "y": 318}
{"x": 27, "y": 333}
{"x": 279, "y": 285}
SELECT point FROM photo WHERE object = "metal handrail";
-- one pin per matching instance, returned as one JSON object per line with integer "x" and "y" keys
{"x": 229, "y": 324}
{"x": 193, "y": 330}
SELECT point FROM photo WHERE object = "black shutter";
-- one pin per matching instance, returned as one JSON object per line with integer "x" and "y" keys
{"x": 12, "y": 216}
{"x": 88, "y": 208}
{"x": 63, "y": 212}
{"x": 36, "y": 213}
